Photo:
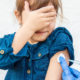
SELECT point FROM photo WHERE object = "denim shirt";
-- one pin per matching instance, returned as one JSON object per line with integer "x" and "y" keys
{"x": 31, "y": 62}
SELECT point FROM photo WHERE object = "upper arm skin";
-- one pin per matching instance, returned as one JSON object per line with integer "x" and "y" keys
{"x": 54, "y": 70}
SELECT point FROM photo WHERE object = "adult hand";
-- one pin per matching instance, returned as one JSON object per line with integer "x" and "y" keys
{"x": 68, "y": 73}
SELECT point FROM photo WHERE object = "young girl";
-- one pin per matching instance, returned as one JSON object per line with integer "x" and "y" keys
{"x": 31, "y": 52}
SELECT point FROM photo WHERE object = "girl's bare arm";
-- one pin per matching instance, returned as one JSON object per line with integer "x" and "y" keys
{"x": 54, "y": 70}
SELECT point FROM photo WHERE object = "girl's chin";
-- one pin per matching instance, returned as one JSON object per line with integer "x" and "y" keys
{"x": 39, "y": 39}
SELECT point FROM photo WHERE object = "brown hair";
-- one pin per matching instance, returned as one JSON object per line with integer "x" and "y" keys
{"x": 36, "y": 4}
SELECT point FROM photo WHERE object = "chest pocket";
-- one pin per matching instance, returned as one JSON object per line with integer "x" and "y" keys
{"x": 41, "y": 60}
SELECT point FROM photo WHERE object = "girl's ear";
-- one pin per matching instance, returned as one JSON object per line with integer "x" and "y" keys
{"x": 18, "y": 16}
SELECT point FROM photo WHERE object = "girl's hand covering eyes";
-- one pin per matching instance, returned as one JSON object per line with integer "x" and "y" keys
{"x": 39, "y": 18}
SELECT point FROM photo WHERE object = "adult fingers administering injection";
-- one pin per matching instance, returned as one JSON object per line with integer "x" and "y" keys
{"x": 68, "y": 73}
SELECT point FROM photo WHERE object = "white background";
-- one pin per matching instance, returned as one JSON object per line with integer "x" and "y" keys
{"x": 71, "y": 9}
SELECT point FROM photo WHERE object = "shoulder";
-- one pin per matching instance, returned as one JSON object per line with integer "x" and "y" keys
{"x": 8, "y": 35}
{"x": 7, "y": 39}
{"x": 61, "y": 34}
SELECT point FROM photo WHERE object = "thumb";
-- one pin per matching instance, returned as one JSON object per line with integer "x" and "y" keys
{"x": 26, "y": 6}
{"x": 64, "y": 65}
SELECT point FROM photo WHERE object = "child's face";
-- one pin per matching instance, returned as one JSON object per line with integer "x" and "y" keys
{"x": 42, "y": 34}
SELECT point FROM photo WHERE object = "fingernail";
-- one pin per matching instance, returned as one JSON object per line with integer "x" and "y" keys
{"x": 52, "y": 6}
{"x": 26, "y": 2}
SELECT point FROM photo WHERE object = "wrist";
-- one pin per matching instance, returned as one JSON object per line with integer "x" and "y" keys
{"x": 28, "y": 28}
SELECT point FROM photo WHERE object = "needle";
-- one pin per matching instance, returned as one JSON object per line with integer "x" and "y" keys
{"x": 74, "y": 61}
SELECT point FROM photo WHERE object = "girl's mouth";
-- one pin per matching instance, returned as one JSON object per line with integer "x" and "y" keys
{"x": 40, "y": 32}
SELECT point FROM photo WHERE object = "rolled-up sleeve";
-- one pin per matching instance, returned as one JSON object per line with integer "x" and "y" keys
{"x": 7, "y": 57}
{"x": 63, "y": 40}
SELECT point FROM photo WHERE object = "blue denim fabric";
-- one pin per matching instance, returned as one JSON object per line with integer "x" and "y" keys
{"x": 31, "y": 62}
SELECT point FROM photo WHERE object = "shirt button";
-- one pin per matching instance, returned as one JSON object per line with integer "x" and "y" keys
{"x": 39, "y": 55}
{"x": 28, "y": 71}
{"x": 28, "y": 59}
{"x": 2, "y": 51}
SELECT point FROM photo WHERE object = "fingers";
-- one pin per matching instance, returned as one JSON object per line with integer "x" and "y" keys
{"x": 64, "y": 65}
{"x": 67, "y": 77}
{"x": 50, "y": 14}
{"x": 51, "y": 19}
{"x": 75, "y": 72}
{"x": 26, "y": 7}
{"x": 46, "y": 9}
{"x": 78, "y": 78}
